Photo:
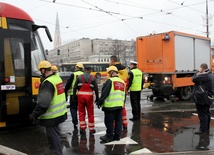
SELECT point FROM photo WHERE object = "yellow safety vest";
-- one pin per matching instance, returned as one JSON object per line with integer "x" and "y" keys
{"x": 137, "y": 80}
{"x": 76, "y": 74}
{"x": 57, "y": 106}
{"x": 116, "y": 96}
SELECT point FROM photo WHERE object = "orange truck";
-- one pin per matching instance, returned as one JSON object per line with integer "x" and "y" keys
{"x": 169, "y": 61}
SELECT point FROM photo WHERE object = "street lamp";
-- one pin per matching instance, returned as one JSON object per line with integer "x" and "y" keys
{"x": 207, "y": 20}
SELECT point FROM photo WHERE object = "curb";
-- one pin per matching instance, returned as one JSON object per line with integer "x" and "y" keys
{"x": 8, "y": 151}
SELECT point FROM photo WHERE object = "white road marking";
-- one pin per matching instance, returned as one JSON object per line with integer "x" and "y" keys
{"x": 141, "y": 151}
{"x": 6, "y": 150}
{"x": 99, "y": 125}
{"x": 122, "y": 141}
{"x": 100, "y": 133}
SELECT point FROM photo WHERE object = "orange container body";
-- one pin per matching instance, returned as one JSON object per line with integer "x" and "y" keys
{"x": 171, "y": 58}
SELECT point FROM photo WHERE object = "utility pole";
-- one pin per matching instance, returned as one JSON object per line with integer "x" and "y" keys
{"x": 207, "y": 19}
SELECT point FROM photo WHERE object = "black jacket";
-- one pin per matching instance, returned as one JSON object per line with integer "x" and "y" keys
{"x": 203, "y": 89}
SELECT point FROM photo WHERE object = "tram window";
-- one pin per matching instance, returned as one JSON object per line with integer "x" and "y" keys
{"x": 18, "y": 53}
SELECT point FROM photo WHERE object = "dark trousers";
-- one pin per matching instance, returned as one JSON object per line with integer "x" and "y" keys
{"x": 135, "y": 103}
{"x": 53, "y": 134}
{"x": 204, "y": 116}
{"x": 113, "y": 131}
{"x": 73, "y": 110}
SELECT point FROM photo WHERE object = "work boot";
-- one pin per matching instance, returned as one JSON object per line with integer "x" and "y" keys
{"x": 82, "y": 132}
{"x": 75, "y": 126}
{"x": 92, "y": 131}
{"x": 124, "y": 127}
{"x": 105, "y": 139}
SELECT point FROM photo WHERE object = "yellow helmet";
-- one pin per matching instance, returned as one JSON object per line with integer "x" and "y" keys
{"x": 112, "y": 68}
{"x": 44, "y": 64}
{"x": 54, "y": 68}
{"x": 80, "y": 65}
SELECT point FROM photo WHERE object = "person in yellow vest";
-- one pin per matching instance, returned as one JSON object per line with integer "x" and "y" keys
{"x": 112, "y": 102}
{"x": 135, "y": 87}
{"x": 69, "y": 92}
{"x": 123, "y": 74}
{"x": 51, "y": 108}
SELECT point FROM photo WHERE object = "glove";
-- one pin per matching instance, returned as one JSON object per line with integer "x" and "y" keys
{"x": 33, "y": 119}
{"x": 99, "y": 104}
{"x": 96, "y": 101}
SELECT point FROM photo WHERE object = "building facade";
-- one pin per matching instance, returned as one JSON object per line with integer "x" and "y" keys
{"x": 97, "y": 50}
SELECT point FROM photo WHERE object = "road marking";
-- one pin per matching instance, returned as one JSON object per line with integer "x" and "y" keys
{"x": 195, "y": 114}
{"x": 141, "y": 151}
{"x": 100, "y": 133}
{"x": 6, "y": 150}
{"x": 122, "y": 141}
{"x": 99, "y": 125}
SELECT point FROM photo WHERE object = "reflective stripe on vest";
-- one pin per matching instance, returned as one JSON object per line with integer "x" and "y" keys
{"x": 116, "y": 96}
{"x": 137, "y": 80}
{"x": 84, "y": 93}
{"x": 80, "y": 84}
{"x": 57, "y": 106}
{"x": 76, "y": 74}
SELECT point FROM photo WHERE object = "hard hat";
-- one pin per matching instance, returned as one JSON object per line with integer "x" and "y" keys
{"x": 44, "y": 64}
{"x": 112, "y": 68}
{"x": 54, "y": 68}
{"x": 79, "y": 65}
{"x": 133, "y": 62}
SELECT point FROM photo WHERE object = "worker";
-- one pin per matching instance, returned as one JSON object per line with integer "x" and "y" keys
{"x": 54, "y": 69}
{"x": 112, "y": 102}
{"x": 203, "y": 95}
{"x": 69, "y": 92}
{"x": 51, "y": 106}
{"x": 135, "y": 86}
{"x": 85, "y": 85}
{"x": 123, "y": 74}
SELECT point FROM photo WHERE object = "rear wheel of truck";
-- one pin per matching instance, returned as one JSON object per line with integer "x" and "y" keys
{"x": 155, "y": 92}
{"x": 185, "y": 93}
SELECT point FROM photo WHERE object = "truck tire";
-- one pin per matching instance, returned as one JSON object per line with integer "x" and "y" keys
{"x": 155, "y": 92}
{"x": 185, "y": 93}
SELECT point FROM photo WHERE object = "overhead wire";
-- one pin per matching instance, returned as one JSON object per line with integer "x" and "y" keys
{"x": 149, "y": 8}
{"x": 128, "y": 17}
{"x": 108, "y": 12}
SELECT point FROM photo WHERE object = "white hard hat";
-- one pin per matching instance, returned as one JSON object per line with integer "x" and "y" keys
{"x": 133, "y": 62}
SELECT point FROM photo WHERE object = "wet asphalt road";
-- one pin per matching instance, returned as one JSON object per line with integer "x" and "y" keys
{"x": 164, "y": 128}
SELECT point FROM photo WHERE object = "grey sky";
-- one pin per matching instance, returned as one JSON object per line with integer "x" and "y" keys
{"x": 118, "y": 19}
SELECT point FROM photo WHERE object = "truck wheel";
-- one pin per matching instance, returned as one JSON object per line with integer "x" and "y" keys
{"x": 151, "y": 97}
{"x": 155, "y": 92}
{"x": 185, "y": 93}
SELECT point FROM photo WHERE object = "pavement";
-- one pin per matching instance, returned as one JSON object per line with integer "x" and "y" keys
{"x": 164, "y": 128}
